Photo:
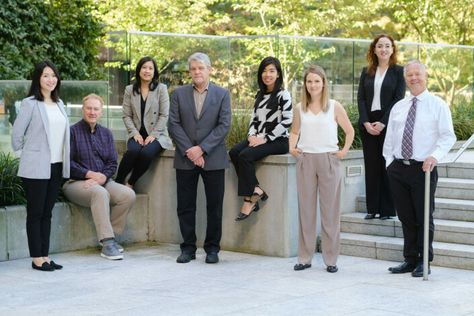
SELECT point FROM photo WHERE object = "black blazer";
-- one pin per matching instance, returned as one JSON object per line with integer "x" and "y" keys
{"x": 393, "y": 90}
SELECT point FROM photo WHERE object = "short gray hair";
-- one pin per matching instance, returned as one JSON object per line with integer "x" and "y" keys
{"x": 414, "y": 62}
{"x": 200, "y": 57}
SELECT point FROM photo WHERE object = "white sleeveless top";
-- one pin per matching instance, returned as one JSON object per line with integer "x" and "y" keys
{"x": 57, "y": 132}
{"x": 318, "y": 132}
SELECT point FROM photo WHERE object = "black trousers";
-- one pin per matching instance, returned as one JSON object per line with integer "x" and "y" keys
{"x": 408, "y": 187}
{"x": 41, "y": 194}
{"x": 137, "y": 159}
{"x": 244, "y": 157}
{"x": 378, "y": 194}
{"x": 187, "y": 182}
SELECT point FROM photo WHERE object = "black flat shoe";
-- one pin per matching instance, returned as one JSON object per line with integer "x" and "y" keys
{"x": 418, "y": 272}
{"x": 332, "y": 269}
{"x": 301, "y": 266}
{"x": 185, "y": 257}
{"x": 44, "y": 267}
{"x": 55, "y": 265}
{"x": 243, "y": 216}
{"x": 212, "y": 257}
{"x": 385, "y": 217}
{"x": 403, "y": 267}
{"x": 369, "y": 216}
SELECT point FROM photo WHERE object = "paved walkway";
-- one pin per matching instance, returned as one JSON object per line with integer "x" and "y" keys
{"x": 150, "y": 282}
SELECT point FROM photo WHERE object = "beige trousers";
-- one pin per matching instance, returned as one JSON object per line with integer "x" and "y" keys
{"x": 110, "y": 204}
{"x": 318, "y": 174}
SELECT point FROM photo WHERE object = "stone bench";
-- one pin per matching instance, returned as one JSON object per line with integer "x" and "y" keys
{"x": 72, "y": 228}
{"x": 273, "y": 231}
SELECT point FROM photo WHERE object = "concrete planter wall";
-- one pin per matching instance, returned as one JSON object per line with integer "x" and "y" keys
{"x": 273, "y": 231}
{"x": 72, "y": 228}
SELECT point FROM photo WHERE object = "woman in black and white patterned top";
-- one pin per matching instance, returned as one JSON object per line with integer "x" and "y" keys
{"x": 268, "y": 134}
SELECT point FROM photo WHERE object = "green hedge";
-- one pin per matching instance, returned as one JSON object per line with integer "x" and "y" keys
{"x": 11, "y": 190}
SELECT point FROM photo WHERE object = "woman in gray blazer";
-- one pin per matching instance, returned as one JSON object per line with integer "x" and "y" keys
{"x": 41, "y": 139}
{"x": 145, "y": 114}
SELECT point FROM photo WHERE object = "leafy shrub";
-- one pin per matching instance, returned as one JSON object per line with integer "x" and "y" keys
{"x": 463, "y": 120}
{"x": 239, "y": 127}
{"x": 353, "y": 113}
{"x": 11, "y": 190}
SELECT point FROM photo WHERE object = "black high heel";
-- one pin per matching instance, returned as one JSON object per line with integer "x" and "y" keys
{"x": 243, "y": 216}
{"x": 257, "y": 197}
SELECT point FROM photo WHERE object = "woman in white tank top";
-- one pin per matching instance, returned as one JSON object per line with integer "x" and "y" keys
{"x": 313, "y": 141}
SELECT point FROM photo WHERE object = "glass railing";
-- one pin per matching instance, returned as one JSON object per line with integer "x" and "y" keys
{"x": 72, "y": 92}
{"x": 235, "y": 61}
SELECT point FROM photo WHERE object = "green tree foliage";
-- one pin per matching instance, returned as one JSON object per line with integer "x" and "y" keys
{"x": 65, "y": 31}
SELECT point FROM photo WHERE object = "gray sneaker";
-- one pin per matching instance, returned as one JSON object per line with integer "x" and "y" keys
{"x": 110, "y": 251}
{"x": 117, "y": 245}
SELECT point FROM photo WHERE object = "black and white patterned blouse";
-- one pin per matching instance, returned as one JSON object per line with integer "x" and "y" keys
{"x": 271, "y": 118}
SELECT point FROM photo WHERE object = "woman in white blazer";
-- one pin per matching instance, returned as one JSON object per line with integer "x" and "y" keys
{"x": 145, "y": 114}
{"x": 41, "y": 139}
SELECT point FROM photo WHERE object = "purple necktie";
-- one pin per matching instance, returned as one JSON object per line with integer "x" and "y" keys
{"x": 407, "y": 141}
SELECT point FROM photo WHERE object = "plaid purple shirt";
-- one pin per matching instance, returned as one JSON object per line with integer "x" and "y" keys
{"x": 92, "y": 151}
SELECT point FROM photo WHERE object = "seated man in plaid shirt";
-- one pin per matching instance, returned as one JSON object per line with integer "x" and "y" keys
{"x": 93, "y": 163}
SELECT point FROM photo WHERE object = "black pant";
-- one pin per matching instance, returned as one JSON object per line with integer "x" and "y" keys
{"x": 41, "y": 194}
{"x": 408, "y": 187}
{"x": 187, "y": 182}
{"x": 244, "y": 157}
{"x": 377, "y": 186}
{"x": 138, "y": 158}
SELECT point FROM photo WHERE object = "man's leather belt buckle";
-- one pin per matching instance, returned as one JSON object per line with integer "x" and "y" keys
{"x": 406, "y": 162}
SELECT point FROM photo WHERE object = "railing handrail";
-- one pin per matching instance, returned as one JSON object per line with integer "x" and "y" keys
{"x": 462, "y": 148}
{"x": 321, "y": 38}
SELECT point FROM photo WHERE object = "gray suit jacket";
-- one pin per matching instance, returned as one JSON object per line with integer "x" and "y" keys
{"x": 156, "y": 114}
{"x": 30, "y": 140}
{"x": 208, "y": 131}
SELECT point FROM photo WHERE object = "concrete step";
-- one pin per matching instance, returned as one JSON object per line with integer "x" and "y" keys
{"x": 455, "y": 188}
{"x": 449, "y": 255}
{"x": 462, "y": 170}
{"x": 445, "y": 230}
{"x": 449, "y": 209}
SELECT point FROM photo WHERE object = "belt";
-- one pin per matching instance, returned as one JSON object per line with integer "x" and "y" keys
{"x": 409, "y": 162}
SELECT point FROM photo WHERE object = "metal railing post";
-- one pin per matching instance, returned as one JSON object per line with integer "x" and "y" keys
{"x": 426, "y": 226}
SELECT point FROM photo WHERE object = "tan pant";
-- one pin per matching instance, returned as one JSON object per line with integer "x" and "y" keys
{"x": 109, "y": 204}
{"x": 318, "y": 173}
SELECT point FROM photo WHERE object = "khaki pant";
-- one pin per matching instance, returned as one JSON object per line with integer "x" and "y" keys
{"x": 318, "y": 173}
{"x": 109, "y": 204}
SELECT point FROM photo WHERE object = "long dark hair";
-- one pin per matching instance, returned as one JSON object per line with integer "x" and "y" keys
{"x": 154, "y": 82}
{"x": 278, "y": 83}
{"x": 35, "y": 88}
{"x": 372, "y": 59}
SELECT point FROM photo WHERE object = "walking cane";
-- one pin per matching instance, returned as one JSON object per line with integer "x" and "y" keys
{"x": 426, "y": 225}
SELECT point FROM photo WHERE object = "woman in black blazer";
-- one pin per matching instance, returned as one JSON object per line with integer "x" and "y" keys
{"x": 381, "y": 85}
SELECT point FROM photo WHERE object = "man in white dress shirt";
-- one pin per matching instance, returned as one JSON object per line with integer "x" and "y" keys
{"x": 419, "y": 134}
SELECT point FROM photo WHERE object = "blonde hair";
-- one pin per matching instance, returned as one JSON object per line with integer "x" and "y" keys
{"x": 306, "y": 97}
{"x": 93, "y": 96}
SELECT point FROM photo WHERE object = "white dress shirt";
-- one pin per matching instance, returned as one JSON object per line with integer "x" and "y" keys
{"x": 433, "y": 133}
{"x": 379, "y": 77}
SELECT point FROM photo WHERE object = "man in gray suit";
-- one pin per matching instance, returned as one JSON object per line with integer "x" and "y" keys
{"x": 199, "y": 120}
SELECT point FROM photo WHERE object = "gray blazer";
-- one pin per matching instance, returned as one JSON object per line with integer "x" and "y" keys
{"x": 208, "y": 131}
{"x": 30, "y": 140}
{"x": 156, "y": 114}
